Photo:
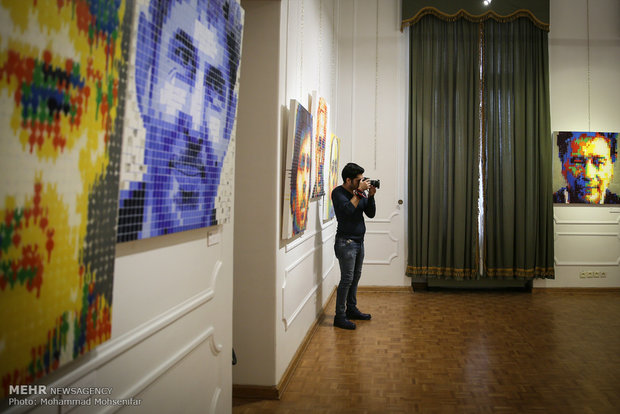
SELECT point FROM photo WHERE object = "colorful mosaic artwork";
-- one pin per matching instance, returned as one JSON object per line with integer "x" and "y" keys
{"x": 61, "y": 79}
{"x": 320, "y": 109}
{"x": 584, "y": 168}
{"x": 332, "y": 172}
{"x": 178, "y": 149}
{"x": 298, "y": 171}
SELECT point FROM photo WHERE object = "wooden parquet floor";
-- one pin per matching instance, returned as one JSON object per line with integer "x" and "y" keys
{"x": 462, "y": 352}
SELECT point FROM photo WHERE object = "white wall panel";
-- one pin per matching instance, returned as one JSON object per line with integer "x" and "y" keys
{"x": 584, "y": 68}
{"x": 153, "y": 270}
{"x": 305, "y": 265}
{"x": 258, "y": 197}
{"x": 372, "y": 66}
{"x": 298, "y": 285}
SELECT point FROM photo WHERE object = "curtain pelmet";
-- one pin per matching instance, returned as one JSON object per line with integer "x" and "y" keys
{"x": 537, "y": 11}
{"x": 463, "y": 14}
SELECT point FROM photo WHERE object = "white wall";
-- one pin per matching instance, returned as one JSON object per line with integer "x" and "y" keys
{"x": 354, "y": 58}
{"x": 280, "y": 286}
{"x": 306, "y": 267}
{"x": 354, "y": 54}
{"x": 256, "y": 197}
{"x": 372, "y": 113}
{"x": 584, "y": 97}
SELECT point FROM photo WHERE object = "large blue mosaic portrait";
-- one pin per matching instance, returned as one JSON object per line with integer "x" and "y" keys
{"x": 187, "y": 56}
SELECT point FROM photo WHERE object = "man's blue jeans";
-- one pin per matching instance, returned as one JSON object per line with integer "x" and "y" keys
{"x": 350, "y": 255}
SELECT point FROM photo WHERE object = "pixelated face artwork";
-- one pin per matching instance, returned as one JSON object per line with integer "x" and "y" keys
{"x": 588, "y": 167}
{"x": 186, "y": 68}
{"x": 301, "y": 193}
{"x": 62, "y": 70}
{"x": 333, "y": 162}
{"x": 332, "y": 176}
{"x": 320, "y": 141}
{"x": 298, "y": 171}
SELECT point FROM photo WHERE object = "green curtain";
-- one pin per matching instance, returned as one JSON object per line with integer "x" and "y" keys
{"x": 444, "y": 149}
{"x": 518, "y": 213}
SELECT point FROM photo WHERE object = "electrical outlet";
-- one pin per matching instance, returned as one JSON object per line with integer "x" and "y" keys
{"x": 595, "y": 274}
{"x": 582, "y": 275}
{"x": 603, "y": 274}
{"x": 590, "y": 274}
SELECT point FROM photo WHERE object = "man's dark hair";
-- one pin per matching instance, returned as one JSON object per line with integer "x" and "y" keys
{"x": 351, "y": 170}
{"x": 564, "y": 139}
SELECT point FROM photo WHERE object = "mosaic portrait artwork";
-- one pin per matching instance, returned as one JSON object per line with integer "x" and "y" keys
{"x": 62, "y": 71}
{"x": 298, "y": 171}
{"x": 583, "y": 168}
{"x": 320, "y": 111}
{"x": 178, "y": 150}
{"x": 332, "y": 172}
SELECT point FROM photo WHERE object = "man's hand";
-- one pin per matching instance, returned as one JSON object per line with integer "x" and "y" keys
{"x": 364, "y": 185}
{"x": 372, "y": 190}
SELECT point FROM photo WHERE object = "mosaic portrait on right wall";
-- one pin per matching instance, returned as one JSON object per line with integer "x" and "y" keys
{"x": 583, "y": 168}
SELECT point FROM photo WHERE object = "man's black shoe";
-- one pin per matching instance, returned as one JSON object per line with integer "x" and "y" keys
{"x": 356, "y": 314}
{"x": 344, "y": 323}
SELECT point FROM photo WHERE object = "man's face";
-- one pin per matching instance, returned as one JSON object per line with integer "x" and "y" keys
{"x": 302, "y": 185}
{"x": 355, "y": 183}
{"x": 187, "y": 110}
{"x": 587, "y": 168}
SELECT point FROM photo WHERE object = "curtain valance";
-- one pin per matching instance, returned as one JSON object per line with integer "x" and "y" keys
{"x": 475, "y": 10}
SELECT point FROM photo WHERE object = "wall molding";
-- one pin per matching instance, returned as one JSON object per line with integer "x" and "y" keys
{"x": 387, "y": 220}
{"x": 586, "y": 234}
{"x": 572, "y": 233}
{"x": 165, "y": 366}
{"x": 556, "y": 220}
{"x": 394, "y": 254}
{"x": 215, "y": 399}
{"x": 590, "y": 234}
{"x": 292, "y": 366}
{"x": 299, "y": 240}
{"x": 304, "y": 237}
{"x": 384, "y": 289}
{"x": 564, "y": 290}
{"x": 115, "y": 351}
{"x": 260, "y": 392}
{"x": 276, "y": 392}
{"x": 115, "y": 347}
{"x": 584, "y": 263}
{"x": 387, "y": 232}
{"x": 288, "y": 321}
{"x": 324, "y": 223}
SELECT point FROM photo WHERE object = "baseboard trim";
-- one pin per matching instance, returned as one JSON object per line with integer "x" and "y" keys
{"x": 384, "y": 289}
{"x": 275, "y": 392}
{"x": 576, "y": 290}
{"x": 292, "y": 366}
{"x": 260, "y": 392}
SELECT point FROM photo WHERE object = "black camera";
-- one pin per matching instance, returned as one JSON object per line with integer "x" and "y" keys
{"x": 374, "y": 183}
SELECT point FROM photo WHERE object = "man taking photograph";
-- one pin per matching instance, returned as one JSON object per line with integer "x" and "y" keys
{"x": 350, "y": 204}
